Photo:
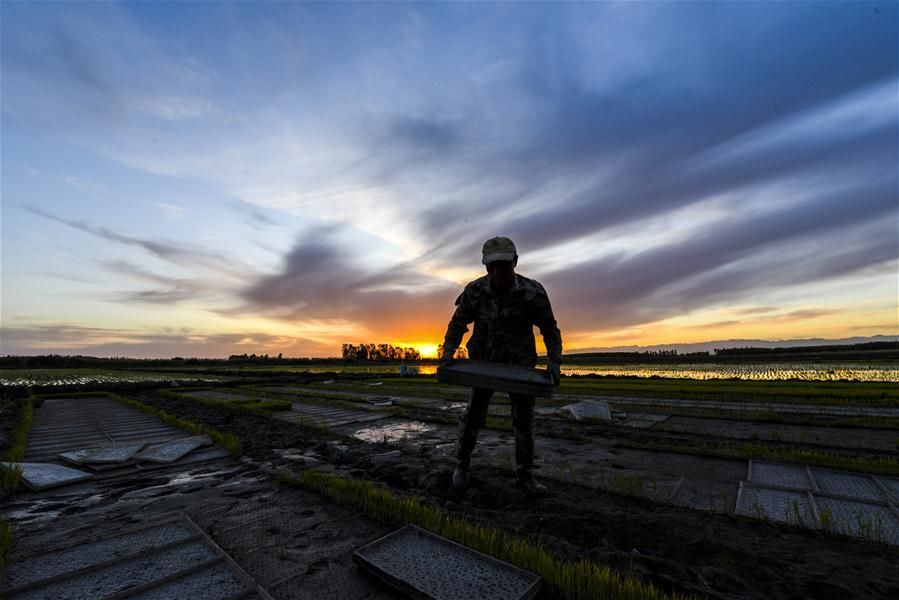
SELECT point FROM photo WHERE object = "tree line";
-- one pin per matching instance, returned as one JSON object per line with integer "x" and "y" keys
{"x": 380, "y": 352}
{"x": 461, "y": 352}
{"x": 865, "y": 346}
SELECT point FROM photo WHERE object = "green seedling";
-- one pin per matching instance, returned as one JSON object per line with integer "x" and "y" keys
{"x": 7, "y": 533}
{"x": 568, "y": 580}
{"x": 9, "y": 478}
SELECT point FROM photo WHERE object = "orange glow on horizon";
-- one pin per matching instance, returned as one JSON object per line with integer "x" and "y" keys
{"x": 426, "y": 350}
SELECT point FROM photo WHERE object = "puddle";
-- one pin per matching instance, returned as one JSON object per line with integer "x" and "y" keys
{"x": 392, "y": 432}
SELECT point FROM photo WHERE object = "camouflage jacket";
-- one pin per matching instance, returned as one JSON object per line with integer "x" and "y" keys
{"x": 504, "y": 323}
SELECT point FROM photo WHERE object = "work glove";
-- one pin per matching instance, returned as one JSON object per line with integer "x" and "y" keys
{"x": 555, "y": 372}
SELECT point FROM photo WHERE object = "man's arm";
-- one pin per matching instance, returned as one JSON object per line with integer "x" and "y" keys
{"x": 464, "y": 314}
{"x": 552, "y": 337}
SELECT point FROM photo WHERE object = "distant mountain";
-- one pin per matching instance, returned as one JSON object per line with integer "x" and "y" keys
{"x": 711, "y": 345}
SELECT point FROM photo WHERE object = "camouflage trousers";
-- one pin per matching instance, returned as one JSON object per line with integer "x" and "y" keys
{"x": 475, "y": 417}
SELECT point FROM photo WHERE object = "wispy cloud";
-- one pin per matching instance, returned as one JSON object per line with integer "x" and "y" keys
{"x": 97, "y": 190}
{"x": 149, "y": 343}
{"x": 170, "y": 290}
{"x": 177, "y": 254}
{"x": 171, "y": 211}
{"x": 108, "y": 69}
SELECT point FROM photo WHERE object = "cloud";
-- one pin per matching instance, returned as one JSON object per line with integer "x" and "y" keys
{"x": 258, "y": 219}
{"x": 176, "y": 108}
{"x": 648, "y": 173}
{"x": 97, "y": 190}
{"x": 108, "y": 70}
{"x": 173, "y": 253}
{"x": 171, "y": 211}
{"x": 809, "y": 313}
{"x": 756, "y": 320}
{"x": 150, "y": 343}
{"x": 320, "y": 279}
{"x": 778, "y": 249}
{"x": 172, "y": 290}
{"x": 752, "y": 310}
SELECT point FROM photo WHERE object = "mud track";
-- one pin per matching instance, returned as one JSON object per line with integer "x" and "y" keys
{"x": 680, "y": 549}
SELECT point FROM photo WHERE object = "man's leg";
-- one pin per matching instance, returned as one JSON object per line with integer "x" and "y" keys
{"x": 523, "y": 423}
{"x": 470, "y": 423}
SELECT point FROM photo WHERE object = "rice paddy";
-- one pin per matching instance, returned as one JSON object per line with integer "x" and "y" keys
{"x": 66, "y": 377}
{"x": 774, "y": 371}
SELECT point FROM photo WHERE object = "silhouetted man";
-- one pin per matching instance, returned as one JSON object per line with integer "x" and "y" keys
{"x": 504, "y": 308}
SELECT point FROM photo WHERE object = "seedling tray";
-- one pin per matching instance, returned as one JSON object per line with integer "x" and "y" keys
{"x": 425, "y": 566}
{"x": 40, "y": 476}
{"x": 502, "y": 378}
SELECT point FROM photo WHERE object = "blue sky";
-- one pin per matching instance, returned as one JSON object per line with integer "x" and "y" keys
{"x": 204, "y": 179}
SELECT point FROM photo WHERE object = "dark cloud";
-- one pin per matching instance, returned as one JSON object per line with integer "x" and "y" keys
{"x": 701, "y": 123}
{"x": 776, "y": 249}
{"x": 666, "y": 137}
{"x": 320, "y": 280}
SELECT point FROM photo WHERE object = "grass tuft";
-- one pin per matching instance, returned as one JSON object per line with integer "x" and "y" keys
{"x": 7, "y": 532}
{"x": 9, "y": 478}
{"x": 876, "y": 465}
{"x": 253, "y": 404}
{"x": 271, "y": 405}
{"x": 570, "y": 580}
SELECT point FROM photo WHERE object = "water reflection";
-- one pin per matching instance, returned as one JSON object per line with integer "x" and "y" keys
{"x": 821, "y": 371}
{"x": 830, "y": 371}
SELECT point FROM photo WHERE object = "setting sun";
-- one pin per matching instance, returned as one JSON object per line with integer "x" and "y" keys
{"x": 426, "y": 350}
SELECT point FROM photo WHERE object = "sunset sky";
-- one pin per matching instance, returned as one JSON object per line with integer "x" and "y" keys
{"x": 206, "y": 179}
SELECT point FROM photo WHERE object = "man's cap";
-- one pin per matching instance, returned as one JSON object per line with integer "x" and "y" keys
{"x": 498, "y": 248}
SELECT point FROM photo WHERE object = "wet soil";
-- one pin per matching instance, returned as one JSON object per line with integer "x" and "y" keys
{"x": 680, "y": 549}
{"x": 881, "y": 440}
{"x": 295, "y": 544}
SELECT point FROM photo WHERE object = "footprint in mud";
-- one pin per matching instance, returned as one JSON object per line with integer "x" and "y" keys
{"x": 319, "y": 565}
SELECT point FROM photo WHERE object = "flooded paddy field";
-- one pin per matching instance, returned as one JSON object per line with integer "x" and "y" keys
{"x": 665, "y": 491}
{"x": 873, "y": 370}
{"x": 886, "y": 371}
{"x": 883, "y": 371}
{"x": 72, "y": 377}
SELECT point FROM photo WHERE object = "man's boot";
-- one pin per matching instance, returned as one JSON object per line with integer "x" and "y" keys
{"x": 461, "y": 477}
{"x": 527, "y": 482}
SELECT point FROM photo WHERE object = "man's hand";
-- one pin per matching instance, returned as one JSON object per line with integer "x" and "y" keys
{"x": 555, "y": 372}
{"x": 447, "y": 358}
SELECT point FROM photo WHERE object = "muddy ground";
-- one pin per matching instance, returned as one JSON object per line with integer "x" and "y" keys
{"x": 680, "y": 549}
